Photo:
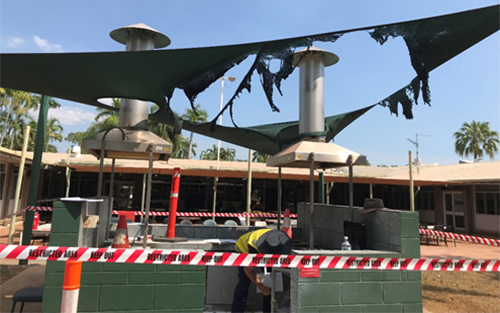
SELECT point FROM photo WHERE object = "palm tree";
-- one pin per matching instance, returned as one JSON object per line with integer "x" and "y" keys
{"x": 476, "y": 138}
{"x": 259, "y": 157}
{"x": 209, "y": 154}
{"x": 15, "y": 102}
{"x": 226, "y": 154}
{"x": 15, "y": 105}
{"x": 106, "y": 112}
{"x": 183, "y": 150}
{"x": 199, "y": 116}
{"x": 53, "y": 132}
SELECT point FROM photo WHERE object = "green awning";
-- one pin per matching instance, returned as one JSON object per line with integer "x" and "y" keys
{"x": 154, "y": 75}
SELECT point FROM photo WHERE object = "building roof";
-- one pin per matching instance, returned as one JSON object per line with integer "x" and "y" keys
{"x": 11, "y": 156}
{"x": 433, "y": 174}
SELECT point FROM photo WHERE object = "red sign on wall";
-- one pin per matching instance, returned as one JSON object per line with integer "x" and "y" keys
{"x": 309, "y": 272}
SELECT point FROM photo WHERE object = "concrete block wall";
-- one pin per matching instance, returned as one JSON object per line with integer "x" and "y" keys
{"x": 357, "y": 291}
{"x": 116, "y": 287}
{"x": 388, "y": 230}
{"x": 360, "y": 290}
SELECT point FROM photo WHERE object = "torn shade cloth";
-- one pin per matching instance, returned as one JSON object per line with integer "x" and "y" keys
{"x": 154, "y": 75}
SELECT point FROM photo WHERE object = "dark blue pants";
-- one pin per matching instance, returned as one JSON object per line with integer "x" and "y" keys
{"x": 241, "y": 294}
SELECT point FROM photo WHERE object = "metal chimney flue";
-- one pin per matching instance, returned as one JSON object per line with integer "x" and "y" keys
{"x": 131, "y": 139}
{"x": 312, "y": 63}
{"x": 138, "y": 37}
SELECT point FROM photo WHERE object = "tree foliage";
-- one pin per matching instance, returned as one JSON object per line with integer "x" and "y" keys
{"x": 15, "y": 106}
{"x": 226, "y": 154}
{"x": 259, "y": 157}
{"x": 476, "y": 139}
{"x": 198, "y": 116}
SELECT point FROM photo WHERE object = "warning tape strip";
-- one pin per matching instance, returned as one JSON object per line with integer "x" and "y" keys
{"x": 153, "y": 213}
{"x": 186, "y": 257}
{"x": 473, "y": 239}
{"x": 32, "y": 209}
{"x": 203, "y": 214}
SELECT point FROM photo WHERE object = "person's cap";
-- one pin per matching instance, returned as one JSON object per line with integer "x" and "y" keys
{"x": 371, "y": 205}
{"x": 274, "y": 242}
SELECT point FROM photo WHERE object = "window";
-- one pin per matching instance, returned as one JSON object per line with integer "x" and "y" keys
{"x": 424, "y": 200}
{"x": 488, "y": 203}
{"x": 480, "y": 208}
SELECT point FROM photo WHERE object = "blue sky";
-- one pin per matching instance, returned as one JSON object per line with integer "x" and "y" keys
{"x": 465, "y": 88}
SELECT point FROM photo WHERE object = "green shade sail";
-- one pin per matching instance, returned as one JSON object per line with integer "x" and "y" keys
{"x": 154, "y": 75}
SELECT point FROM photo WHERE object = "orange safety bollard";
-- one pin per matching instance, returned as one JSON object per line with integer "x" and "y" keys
{"x": 71, "y": 286}
{"x": 174, "y": 199}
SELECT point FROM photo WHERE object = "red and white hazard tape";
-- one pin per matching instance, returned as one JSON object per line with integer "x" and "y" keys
{"x": 196, "y": 214}
{"x": 32, "y": 209}
{"x": 202, "y": 214}
{"x": 40, "y": 208}
{"x": 186, "y": 257}
{"x": 473, "y": 239}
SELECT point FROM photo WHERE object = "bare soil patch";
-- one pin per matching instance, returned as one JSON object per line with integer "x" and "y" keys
{"x": 474, "y": 292}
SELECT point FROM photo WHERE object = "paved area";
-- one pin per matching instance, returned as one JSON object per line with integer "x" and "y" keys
{"x": 34, "y": 275}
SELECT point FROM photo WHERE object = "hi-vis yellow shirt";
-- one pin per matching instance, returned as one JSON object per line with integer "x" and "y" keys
{"x": 249, "y": 239}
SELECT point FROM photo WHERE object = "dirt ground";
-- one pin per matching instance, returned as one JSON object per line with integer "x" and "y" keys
{"x": 463, "y": 292}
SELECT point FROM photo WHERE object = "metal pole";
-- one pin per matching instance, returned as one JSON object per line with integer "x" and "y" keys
{"x": 371, "y": 191}
{"x": 311, "y": 203}
{"x": 279, "y": 197}
{"x": 144, "y": 177}
{"x": 111, "y": 184}
{"x": 351, "y": 187}
{"x": 321, "y": 187}
{"x": 68, "y": 174}
{"x": 216, "y": 179}
{"x": 101, "y": 168}
{"x": 20, "y": 175}
{"x": 35, "y": 171}
{"x": 148, "y": 199}
{"x": 412, "y": 196}
{"x": 220, "y": 117}
{"x": 249, "y": 185}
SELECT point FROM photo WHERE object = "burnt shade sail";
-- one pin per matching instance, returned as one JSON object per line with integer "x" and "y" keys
{"x": 155, "y": 75}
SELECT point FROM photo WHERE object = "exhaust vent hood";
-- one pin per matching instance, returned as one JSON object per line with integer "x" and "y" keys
{"x": 129, "y": 144}
{"x": 326, "y": 155}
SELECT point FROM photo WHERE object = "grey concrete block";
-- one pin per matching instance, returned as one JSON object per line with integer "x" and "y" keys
{"x": 205, "y": 232}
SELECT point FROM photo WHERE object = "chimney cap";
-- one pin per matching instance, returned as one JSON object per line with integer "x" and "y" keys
{"x": 121, "y": 34}
{"x": 328, "y": 57}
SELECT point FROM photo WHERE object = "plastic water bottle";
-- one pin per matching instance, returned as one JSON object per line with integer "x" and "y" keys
{"x": 346, "y": 245}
